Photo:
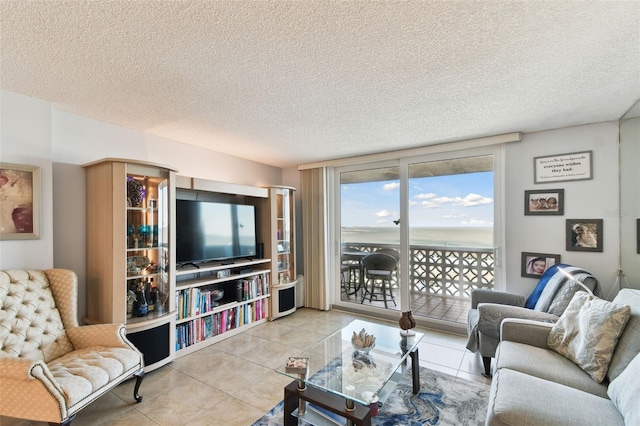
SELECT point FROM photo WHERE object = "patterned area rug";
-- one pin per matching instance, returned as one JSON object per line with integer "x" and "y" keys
{"x": 443, "y": 400}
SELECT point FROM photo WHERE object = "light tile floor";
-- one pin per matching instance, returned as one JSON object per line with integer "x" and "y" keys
{"x": 233, "y": 382}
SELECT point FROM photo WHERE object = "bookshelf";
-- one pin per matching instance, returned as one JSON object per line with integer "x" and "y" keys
{"x": 219, "y": 300}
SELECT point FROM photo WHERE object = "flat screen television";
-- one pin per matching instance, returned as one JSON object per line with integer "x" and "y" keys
{"x": 209, "y": 231}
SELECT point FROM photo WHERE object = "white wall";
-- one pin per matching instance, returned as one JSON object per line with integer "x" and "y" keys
{"x": 35, "y": 133}
{"x": 25, "y": 138}
{"x": 597, "y": 198}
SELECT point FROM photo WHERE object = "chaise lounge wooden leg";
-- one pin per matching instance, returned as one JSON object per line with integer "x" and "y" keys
{"x": 65, "y": 423}
{"x": 486, "y": 360}
{"x": 139, "y": 376}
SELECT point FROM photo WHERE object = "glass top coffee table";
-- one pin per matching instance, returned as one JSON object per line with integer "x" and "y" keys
{"x": 335, "y": 376}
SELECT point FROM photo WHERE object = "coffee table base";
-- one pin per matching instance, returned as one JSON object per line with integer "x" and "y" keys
{"x": 360, "y": 415}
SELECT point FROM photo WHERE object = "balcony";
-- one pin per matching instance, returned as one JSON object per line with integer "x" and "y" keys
{"x": 441, "y": 280}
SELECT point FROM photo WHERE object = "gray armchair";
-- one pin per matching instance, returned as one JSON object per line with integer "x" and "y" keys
{"x": 548, "y": 301}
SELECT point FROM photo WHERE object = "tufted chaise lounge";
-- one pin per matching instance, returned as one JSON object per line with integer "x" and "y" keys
{"x": 51, "y": 368}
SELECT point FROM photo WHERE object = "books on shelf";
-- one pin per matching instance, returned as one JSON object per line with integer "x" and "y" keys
{"x": 205, "y": 327}
{"x": 201, "y": 300}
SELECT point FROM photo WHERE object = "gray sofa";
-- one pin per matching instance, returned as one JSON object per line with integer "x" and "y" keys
{"x": 534, "y": 385}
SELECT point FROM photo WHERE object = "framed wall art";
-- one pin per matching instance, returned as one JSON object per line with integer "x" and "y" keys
{"x": 544, "y": 202}
{"x": 563, "y": 167}
{"x": 534, "y": 264}
{"x": 19, "y": 202}
{"x": 584, "y": 235}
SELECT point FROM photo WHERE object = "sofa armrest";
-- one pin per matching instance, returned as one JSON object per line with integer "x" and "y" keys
{"x": 25, "y": 369}
{"x": 112, "y": 335}
{"x": 498, "y": 297}
{"x": 29, "y": 390}
{"x": 525, "y": 331}
{"x": 492, "y": 315}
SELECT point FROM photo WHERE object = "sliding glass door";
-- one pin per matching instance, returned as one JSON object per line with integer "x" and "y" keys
{"x": 369, "y": 222}
{"x": 437, "y": 214}
{"x": 451, "y": 209}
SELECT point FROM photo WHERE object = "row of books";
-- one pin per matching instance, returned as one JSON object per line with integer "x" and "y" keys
{"x": 200, "y": 300}
{"x": 203, "y": 328}
{"x": 255, "y": 286}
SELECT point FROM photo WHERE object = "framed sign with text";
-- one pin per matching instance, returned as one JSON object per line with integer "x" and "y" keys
{"x": 563, "y": 167}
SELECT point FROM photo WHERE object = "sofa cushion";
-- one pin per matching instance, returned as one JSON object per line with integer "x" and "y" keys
{"x": 629, "y": 342}
{"x": 546, "y": 364}
{"x": 587, "y": 333}
{"x": 83, "y": 372}
{"x": 519, "y": 399}
{"x": 624, "y": 391}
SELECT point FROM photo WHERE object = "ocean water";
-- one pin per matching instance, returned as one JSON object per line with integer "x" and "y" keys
{"x": 437, "y": 237}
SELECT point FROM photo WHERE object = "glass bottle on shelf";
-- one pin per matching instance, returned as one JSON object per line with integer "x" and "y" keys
{"x": 142, "y": 307}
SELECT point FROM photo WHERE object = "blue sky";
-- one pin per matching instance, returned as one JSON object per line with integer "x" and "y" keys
{"x": 464, "y": 200}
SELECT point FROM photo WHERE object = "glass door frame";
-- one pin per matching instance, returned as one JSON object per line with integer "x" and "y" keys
{"x": 334, "y": 224}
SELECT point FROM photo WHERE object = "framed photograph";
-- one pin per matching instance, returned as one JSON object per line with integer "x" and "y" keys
{"x": 19, "y": 202}
{"x": 534, "y": 264}
{"x": 544, "y": 202}
{"x": 563, "y": 167}
{"x": 584, "y": 235}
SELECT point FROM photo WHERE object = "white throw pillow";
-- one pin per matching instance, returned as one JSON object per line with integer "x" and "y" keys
{"x": 588, "y": 331}
{"x": 624, "y": 391}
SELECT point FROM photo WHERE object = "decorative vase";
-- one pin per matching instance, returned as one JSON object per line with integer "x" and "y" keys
{"x": 406, "y": 324}
{"x": 406, "y": 321}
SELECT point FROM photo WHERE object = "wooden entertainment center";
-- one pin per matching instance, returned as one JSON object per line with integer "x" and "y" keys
{"x": 171, "y": 310}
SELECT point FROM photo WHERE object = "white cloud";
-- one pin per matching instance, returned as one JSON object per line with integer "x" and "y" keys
{"x": 444, "y": 200}
{"x": 472, "y": 200}
{"x": 391, "y": 186}
{"x": 383, "y": 213}
{"x": 430, "y": 205}
{"x": 425, "y": 196}
{"x": 381, "y": 221}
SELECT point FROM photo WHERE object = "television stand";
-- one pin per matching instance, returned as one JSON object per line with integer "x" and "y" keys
{"x": 244, "y": 303}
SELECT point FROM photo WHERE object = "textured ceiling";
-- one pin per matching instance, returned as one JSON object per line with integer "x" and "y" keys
{"x": 289, "y": 82}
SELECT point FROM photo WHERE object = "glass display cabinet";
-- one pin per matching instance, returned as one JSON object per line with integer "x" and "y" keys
{"x": 282, "y": 251}
{"x": 130, "y": 278}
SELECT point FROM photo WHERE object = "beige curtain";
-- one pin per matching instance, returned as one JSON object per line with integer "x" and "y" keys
{"x": 313, "y": 238}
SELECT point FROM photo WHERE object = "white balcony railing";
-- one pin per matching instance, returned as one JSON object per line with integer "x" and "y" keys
{"x": 445, "y": 271}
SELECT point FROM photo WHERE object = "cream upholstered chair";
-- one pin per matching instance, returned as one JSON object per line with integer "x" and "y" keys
{"x": 51, "y": 368}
